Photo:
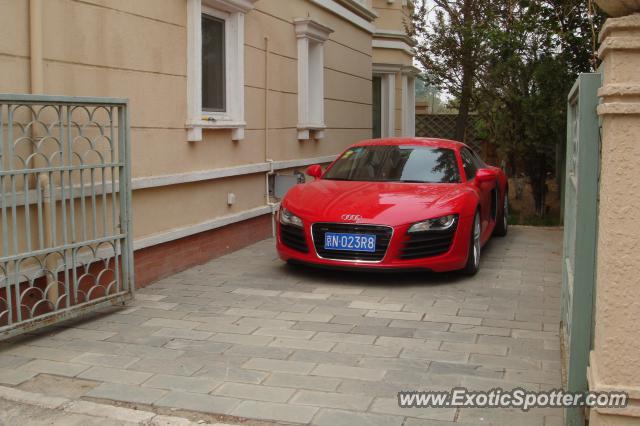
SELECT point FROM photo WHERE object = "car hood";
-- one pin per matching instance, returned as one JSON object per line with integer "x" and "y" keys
{"x": 385, "y": 203}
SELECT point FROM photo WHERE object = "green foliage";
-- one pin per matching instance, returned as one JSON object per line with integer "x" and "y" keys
{"x": 524, "y": 56}
{"x": 430, "y": 94}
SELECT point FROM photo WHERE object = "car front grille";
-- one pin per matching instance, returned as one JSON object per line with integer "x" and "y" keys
{"x": 427, "y": 244}
{"x": 293, "y": 237}
{"x": 382, "y": 233}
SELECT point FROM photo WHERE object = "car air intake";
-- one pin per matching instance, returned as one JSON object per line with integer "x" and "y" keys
{"x": 382, "y": 233}
{"x": 293, "y": 237}
{"x": 427, "y": 244}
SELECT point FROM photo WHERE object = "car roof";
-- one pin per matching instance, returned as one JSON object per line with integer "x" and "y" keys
{"x": 430, "y": 142}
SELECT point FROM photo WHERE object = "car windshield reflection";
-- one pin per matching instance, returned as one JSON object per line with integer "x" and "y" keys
{"x": 396, "y": 163}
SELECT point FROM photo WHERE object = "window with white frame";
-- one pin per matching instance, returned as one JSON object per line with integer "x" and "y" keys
{"x": 311, "y": 37}
{"x": 215, "y": 66}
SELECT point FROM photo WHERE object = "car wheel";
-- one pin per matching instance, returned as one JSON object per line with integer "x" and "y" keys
{"x": 473, "y": 258}
{"x": 502, "y": 223}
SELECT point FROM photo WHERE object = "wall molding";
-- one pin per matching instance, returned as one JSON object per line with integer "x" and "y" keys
{"x": 379, "y": 68}
{"x": 597, "y": 385}
{"x": 224, "y": 172}
{"x": 393, "y": 44}
{"x": 146, "y": 182}
{"x": 185, "y": 231}
{"x": 619, "y": 108}
{"x": 617, "y": 43}
{"x": 34, "y": 272}
{"x": 619, "y": 89}
{"x": 360, "y": 7}
{"x": 401, "y": 35}
{"x": 348, "y": 15}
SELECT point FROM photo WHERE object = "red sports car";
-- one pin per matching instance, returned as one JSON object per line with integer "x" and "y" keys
{"x": 400, "y": 203}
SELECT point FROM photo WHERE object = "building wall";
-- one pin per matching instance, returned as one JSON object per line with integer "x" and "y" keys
{"x": 14, "y": 46}
{"x": 138, "y": 50}
{"x": 397, "y": 51}
{"x": 87, "y": 59}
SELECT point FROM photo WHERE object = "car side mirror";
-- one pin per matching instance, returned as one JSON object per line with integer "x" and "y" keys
{"x": 485, "y": 175}
{"x": 314, "y": 171}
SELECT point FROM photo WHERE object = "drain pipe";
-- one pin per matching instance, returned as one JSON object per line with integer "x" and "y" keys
{"x": 50, "y": 263}
{"x": 36, "y": 73}
{"x": 35, "y": 46}
{"x": 272, "y": 205}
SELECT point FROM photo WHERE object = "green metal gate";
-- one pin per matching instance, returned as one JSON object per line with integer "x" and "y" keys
{"x": 65, "y": 201}
{"x": 580, "y": 234}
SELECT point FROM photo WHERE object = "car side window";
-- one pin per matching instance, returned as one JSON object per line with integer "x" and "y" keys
{"x": 477, "y": 160}
{"x": 470, "y": 168}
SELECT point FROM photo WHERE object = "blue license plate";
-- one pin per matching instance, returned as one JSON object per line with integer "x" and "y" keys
{"x": 349, "y": 242}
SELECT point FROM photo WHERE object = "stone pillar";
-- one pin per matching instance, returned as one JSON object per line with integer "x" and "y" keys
{"x": 615, "y": 358}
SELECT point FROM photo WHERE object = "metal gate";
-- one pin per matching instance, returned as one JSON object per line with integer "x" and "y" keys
{"x": 580, "y": 234}
{"x": 65, "y": 208}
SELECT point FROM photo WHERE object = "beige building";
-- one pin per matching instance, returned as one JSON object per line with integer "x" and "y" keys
{"x": 223, "y": 94}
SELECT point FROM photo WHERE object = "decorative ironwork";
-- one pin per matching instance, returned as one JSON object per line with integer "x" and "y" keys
{"x": 65, "y": 208}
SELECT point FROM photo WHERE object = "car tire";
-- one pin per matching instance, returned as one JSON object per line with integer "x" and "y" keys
{"x": 502, "y": 222}
{"x": 475, "y": 247}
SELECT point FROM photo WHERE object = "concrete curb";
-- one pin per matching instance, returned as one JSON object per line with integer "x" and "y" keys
{"x": 94, "y": 409}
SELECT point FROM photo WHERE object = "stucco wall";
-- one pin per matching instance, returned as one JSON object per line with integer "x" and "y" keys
{"x": 347, "y": 80}
{"x": 615, "y": 357}
{"x": 14, "y": 46}
{"x": 390, "y": 15}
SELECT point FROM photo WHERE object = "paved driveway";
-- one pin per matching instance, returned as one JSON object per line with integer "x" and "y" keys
{"x": 248, "y": 336}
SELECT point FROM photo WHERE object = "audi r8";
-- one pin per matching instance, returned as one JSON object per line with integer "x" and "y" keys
{"x": 398, "y": 203}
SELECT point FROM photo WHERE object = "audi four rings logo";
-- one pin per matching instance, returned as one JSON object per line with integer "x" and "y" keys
{"x": 351, "y": 217}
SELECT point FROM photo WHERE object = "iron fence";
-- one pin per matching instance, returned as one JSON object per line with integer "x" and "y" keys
{"x": 65, "y": 208}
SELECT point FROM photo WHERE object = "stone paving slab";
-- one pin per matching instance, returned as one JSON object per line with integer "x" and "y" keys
{"x": 20, "y": 407}
{"x": 247, "y": 335}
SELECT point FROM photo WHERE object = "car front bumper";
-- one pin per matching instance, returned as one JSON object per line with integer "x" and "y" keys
{"x": 453, "y": 259}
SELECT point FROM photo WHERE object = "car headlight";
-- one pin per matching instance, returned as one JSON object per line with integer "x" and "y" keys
{"x": 438, "y": 224}
{"x": 288, "y": 218}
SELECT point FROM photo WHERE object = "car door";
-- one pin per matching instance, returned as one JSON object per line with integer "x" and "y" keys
{"x": 470, "y": 169}
{"x": 494, "y": 191}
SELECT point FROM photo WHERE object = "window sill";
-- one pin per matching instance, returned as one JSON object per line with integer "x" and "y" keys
{"x": 311, "y": 132}
{"x": 195, "y": 127}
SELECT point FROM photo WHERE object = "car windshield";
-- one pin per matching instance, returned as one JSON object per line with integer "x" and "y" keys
{"x": 396, "y": 163}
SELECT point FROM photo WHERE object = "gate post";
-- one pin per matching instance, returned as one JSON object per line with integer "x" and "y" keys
{"x": 615, "y": 357}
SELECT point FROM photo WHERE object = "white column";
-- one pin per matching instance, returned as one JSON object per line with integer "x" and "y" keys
{"x": 408, "y": 106}
{"x": 388, "y": 105}
{"x": 303, "y": 87}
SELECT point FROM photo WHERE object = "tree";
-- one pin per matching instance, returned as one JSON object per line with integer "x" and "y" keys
{"x": 451, "y": 49}
{"x": 523, "y": 67}
{"x": 430, "y": 94}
